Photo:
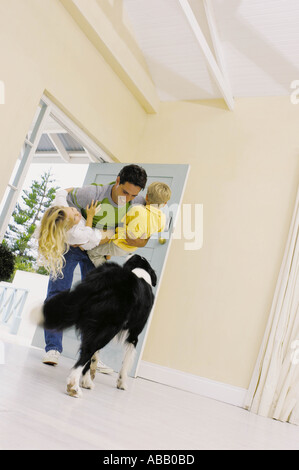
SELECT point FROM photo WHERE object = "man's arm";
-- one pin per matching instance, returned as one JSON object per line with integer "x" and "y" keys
{"x": 138, "y": 242}
{"x": 81, "y": 197}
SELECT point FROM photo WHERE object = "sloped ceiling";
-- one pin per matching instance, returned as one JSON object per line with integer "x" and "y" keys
{"x": 258, "y": 41}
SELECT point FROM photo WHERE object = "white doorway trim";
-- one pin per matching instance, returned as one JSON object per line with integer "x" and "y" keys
{"x": 95, "y": 152}
{"x": 14, "y": 187}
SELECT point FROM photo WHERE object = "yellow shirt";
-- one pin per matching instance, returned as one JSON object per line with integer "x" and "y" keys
{"x": 139, "y": 222}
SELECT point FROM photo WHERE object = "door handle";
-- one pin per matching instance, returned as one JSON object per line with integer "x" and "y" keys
{"x": 163, "y": 240}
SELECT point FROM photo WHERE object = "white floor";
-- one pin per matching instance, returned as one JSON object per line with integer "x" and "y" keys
{"x": 36, "y": 413}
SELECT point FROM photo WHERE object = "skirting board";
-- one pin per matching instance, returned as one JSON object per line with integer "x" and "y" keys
{"x": 192, "y": 383}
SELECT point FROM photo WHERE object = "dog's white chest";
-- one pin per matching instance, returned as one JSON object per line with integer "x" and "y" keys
{"x": 141, "y": 273}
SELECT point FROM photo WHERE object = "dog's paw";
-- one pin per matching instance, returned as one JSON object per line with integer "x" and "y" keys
{"x": 73, "y": 391}
{"x": 86, "y": 382}
{"x": 121, "y": 384}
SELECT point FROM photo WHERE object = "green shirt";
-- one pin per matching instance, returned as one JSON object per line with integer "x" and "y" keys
{"x": 110, "y": 214}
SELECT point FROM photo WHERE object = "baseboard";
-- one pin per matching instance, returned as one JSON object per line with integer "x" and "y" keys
{"x": 192, "y": 383}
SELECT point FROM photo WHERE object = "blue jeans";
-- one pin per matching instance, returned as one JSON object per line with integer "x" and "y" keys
{"x": 73, "y": 257}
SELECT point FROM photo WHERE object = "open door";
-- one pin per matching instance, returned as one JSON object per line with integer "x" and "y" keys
{"x": 155, "y": 252}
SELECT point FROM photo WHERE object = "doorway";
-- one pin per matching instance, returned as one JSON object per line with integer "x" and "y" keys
{"x": 55, "y": 140}
{"x": 55, "y": 149}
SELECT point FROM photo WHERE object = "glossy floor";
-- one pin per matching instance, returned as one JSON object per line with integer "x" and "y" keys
{"x": 36, "y": 413}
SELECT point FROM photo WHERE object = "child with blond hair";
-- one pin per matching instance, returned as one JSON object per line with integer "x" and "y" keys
{"x": 140, "y": 222}
{"x": 63, "y": 226}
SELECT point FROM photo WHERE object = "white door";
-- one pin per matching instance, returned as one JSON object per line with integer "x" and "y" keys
{"x": 155, "y": 252}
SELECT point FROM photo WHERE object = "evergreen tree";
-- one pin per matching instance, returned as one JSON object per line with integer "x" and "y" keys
{"x": 28, "y": 212}
{"x": 7, "y": 263}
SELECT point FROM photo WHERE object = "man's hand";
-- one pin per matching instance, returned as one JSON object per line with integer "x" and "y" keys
{"x": 107, "y": 235}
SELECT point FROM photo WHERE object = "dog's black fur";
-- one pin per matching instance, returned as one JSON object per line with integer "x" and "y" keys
{"x": 111, "y": 299}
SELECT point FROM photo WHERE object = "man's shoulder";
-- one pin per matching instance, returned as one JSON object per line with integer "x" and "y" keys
{"x": 100, "y": 185}
{"x": 94, "y": 191}
{"x": 138, "y": 200}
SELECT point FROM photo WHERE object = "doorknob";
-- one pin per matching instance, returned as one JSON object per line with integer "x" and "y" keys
{"x": 163, "y": 240}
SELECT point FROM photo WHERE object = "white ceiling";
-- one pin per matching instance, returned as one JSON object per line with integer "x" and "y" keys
{"x": 258, "y": 41}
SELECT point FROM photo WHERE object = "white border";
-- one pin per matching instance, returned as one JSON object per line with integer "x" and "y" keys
{"x": 226, "y": 393}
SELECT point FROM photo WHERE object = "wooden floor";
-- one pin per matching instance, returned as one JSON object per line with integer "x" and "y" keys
{"x": 36, "y": 413}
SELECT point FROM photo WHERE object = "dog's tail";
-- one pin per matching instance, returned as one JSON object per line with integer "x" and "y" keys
{"x": 57, "y": 313}
{"x": 36, "y": 314}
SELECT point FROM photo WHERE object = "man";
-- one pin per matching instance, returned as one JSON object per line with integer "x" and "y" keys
{"x": 114, "y": 201}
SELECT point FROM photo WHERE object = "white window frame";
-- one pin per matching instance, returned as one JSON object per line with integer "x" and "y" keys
{"x": 48, "y": 108}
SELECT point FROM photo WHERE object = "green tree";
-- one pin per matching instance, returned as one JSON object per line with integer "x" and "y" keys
{"x": 7, "y": 263}
{"x": 28, "y": 212}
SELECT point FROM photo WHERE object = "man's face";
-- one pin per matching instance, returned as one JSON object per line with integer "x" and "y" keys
{"x": 124, "y": 193}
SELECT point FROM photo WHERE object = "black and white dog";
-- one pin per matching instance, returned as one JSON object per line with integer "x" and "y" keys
{"x": 112, "y": 300}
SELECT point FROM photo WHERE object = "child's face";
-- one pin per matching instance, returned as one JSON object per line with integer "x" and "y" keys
{"x": 73, "y": 215}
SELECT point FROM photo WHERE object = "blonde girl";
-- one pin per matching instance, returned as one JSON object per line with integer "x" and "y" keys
{"x": 62, "y": 226}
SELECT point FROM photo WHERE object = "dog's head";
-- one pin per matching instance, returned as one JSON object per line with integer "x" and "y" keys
{"x": 137, "y": 261}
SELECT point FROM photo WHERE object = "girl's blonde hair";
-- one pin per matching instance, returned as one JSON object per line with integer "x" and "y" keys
{"x": 52, "y": 240}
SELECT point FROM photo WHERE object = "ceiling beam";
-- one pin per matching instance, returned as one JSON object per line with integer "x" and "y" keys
{"x": 60, "y": 147}
{"x": 52, "y": 153}
{"x": 57, "y": 159}
{"x": 93, "y": 21}
{"x": 217, "y": 73}
{"x": 216, "y": 40}
{"x": 91, "y": 157}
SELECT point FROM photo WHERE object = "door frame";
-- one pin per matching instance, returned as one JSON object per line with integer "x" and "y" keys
{"x": 173, "y": 226}
{"x": 161, "y": 170}
{"x": 15, "y": 185}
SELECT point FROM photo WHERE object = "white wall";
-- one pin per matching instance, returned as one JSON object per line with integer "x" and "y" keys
{"x": 37, "y": 287}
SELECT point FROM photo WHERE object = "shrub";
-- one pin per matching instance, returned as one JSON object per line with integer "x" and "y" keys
{"x": 7, "y": 263}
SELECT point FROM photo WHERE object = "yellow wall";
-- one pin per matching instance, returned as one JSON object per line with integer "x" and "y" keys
{"x": 213, "y": 303}
{"x": 42, "y": 48}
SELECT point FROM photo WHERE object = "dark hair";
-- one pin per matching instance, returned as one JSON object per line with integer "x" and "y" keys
{"x": 7, "y": 263}
{"x": 133, "y": 174}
